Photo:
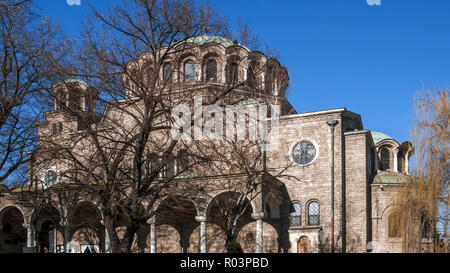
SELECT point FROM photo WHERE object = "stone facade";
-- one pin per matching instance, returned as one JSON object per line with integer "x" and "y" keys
{"x": 298, "y": 221}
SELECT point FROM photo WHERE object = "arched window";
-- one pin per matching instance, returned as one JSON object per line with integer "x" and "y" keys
{"x": 211, "y": 71}
{"x": 151, "y": 75}
{"x": 169, "y": 168}
{"x": 385, "y": 159}
{"x": 296, "y": 215}
{"x": 167, "y": 72}
{"x": 189, "y": 71}
{"x": 50, "y": 178}
{"x": 182, "y": 161}
{"x": 60, "y": 127}
{"x": 394, "y": 225}
{"x": 425, "y": 225}
{"x": 400, "y": 161}
{"x": 232, "y": 71}
{"x": 251, "y": 74}
{"x": 153, "y": 162}
{"x": 313, "y": 214}
{"x": 55, "y": 129}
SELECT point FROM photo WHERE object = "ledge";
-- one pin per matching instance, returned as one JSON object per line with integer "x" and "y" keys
{"x": 305, "y": 228}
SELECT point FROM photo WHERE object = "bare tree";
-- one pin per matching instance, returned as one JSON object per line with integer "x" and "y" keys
{"x": 27, "y": 47}
{"x": 131, "y": 71}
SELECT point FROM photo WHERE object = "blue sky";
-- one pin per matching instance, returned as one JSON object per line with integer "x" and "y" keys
{"x": 339, "y": 53}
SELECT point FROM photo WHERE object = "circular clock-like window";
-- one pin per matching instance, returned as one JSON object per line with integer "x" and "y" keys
{"x": 304, "y": 152}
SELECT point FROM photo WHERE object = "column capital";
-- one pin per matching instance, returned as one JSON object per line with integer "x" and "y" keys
{"x": 332, "y": 124}
{"x": 25, "y": 225}
{"x": 151, "y": 220}
{"x": 258, "y": 215}
{"x": 64, "y": 222}
{"x": 200, "y": 218}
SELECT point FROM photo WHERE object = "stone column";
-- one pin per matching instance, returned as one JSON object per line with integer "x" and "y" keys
{"x": 152, "y": 223}
{"x": 65, "y": 225}
{"x": 407, "y": 163}
{"x": 395, "y": 161}
{"x": 30, "y": 235}
{"x": 259, "y": 231}
{"x": 375, "y": 160}
{"x": 107, "y": 242}
{"x": 202, "y": 221}
{"x": 224, "y": 71}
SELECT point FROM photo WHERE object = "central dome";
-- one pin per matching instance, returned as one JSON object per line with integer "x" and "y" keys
{"x": 206, "y": 39}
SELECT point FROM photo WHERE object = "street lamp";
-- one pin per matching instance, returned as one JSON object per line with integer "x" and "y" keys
{"x": 332, "y": 124}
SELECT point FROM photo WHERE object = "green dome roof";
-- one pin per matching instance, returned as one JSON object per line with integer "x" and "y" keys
{"x": 76, "y": 81}
{"x": 378, "y": 137}
{"x": 205, "y": 39}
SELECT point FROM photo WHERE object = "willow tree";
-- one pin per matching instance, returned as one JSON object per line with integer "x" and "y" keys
{"x": 423, "y": 204}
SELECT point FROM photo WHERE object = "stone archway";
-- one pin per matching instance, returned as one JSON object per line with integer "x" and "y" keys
{"x": 48, "y": 233}
{"x": 174, "y": 224}
{"x": 247, "y": 238}
{"x": 13, "y": 234}
{"x": 304, "y": 245}
{"x": 220, "y": 212}
{"x": 85, "y": 228}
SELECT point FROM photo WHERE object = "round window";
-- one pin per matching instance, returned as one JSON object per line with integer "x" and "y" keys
{"x": 304, "y": 152}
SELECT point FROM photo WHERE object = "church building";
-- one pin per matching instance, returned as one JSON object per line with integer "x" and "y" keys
{"x": 335, "y": 194}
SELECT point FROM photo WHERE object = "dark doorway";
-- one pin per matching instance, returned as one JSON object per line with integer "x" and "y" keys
{"x": 46, "y": 237}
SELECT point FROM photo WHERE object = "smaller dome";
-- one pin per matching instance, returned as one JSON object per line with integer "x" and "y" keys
{"x": 75, "y": 80}
{"x": 378, "y": 137}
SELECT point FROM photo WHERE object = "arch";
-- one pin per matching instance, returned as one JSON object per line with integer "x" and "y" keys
{"x": 211, "y": 71}
{"x": 296, "y": 214}
{"x": 252, "y": 73}
{"x": 271, "y": 207}
{"x": 86, "y": 236}
{"x": 211, "y": 59}
{"x": 394, "y": 225}
{"x": 304, "y": 245}
{"x": 150, "y": 75}
{"x": 168, "y": 239}
{"x": 232, "y": 70}
{"x": 246, "y": 237}
{"x": 167, "y": 72}
{"x": 46, "y": 235}
{"x": 386, "y": 210}
{"x": 47, "y": 212}
{"x": 13, "y": 234}
{"x": 313, "y": 213}
{"x": 4, "y": 208}
{"x": 183, "y": 161}
{"x": 90, "y": 203}
{"x": 36, "y": 215}
{"x": 209, "y": 202}
{"x": 175, "y": 209}
{"x": 215, "y": 239}
{"x": 189, "y": 71}
{"x": 385, "y": 158}
{"x": 400, "y": 161}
